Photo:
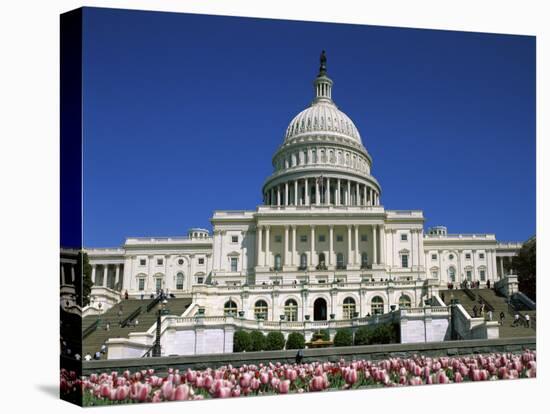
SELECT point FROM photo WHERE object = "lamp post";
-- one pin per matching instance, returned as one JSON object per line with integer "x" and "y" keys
{"x": 160, "y": 312}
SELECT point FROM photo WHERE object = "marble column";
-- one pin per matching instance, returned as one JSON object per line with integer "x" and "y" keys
{"x": 278, "y": 195}
{"x": 349, "y": 246}
{"x": 330, "y": 244}
{"x": 348, "y": 194}
{"x": 317, "y": 195}
{"x": 295, "y": 192}
{"x": 312, "y": 261}
{"x": 357, "y": 260}
{"x": 382, "y": 245}
{"x": 286, "y": 194}
{"x": 293, "y": 246}
{"x": 267, "y": 255}
{"x": 285, "y": 254}
{"x": 357, "y": 197}
{"x": 374, "y": 244}
{"x": 364, "y": 195}
{"x": 307, "y": 192}
{"x": 93, "y": 273}
{"x": 259, "y": 235}
{"x": 338, "y": 192}
{"x": 117, "y": 275}
{"x": 327, "y": 192}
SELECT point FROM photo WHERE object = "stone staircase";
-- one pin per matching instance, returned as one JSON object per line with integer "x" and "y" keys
{"x": 499, "y": 304}
{"x": 92, "y": 343}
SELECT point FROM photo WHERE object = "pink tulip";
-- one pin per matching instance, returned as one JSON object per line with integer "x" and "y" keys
{"x": 244, "y": 381}
{"x": 284, "y": 387}
{"x": 223, "y": 392}
{"x": 351, "y": 376}
{"x": 181, "y": 392}
{"x": 122, "y": 393}
{"x": 264, "y": 378}
{"x": 317, "y": 383}
{"x": 457, "y": 377}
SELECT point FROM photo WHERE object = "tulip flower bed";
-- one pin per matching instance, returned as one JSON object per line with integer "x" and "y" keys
{"x": 269, "y": 379}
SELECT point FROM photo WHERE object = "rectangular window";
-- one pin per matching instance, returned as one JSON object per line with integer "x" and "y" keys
{"x": 469, "y": 274}
{"x": 434, "y": 256}
{"x": 339, "y": 238}
{"x": 482, "y": 255}
{"x": 321, "y": 237}
{"x": 364, "y": 237}
{"x": 482, "y": 275}
{"x": 405, "y": 260}
{"x": 303, "y": 238}
{"x": 234, "y": 239}
{"x": 200, "y": 280}
{"x": 142, "y": 262}
{"x": 201, "y": 260}
{"x": 159, "y": 262}
{"x": 278, "y": 238}
{"x": 234, "y": 264}
{"x": 468, "y": 256}
{"x": 434, "y": 274}
{"x": 141, "y": 284}
{"x": 158, "y": 283}
{"x": 403, "y": 237}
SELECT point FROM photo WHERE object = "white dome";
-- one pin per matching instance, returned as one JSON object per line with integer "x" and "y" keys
{"x": 325, "y": 118}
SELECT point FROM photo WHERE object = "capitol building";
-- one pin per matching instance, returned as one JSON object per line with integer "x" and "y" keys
{"x": 320, "y": 247}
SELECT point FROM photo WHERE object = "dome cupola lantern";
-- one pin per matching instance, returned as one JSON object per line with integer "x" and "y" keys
{"x": 323, "y": 84}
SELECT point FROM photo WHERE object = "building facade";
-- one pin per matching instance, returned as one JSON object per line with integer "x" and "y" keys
{"x": 322, "y": 246}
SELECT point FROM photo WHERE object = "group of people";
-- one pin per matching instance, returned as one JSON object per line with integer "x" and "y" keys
{"x": 468, "y": 284}
{"x": 97, "y": 354}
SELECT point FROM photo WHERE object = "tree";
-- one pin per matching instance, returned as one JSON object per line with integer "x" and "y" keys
{"x": 295, "y": 341}
{"x": 257, "y": 341}
{"x": 275, "y": 341}
{"x": 343, "y": 337}
{"x": 83, "y": 279}
{"x": 241, "y": 341}
{"x": 362, "y": 336}
{"x": 525, "y": 265}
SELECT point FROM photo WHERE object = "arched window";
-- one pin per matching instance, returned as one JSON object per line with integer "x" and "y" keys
{"x": 230, "y": 308}
{"x": 377, "y": 306}
{"x": 278, "y": 265}
{"x": 404, "y": 302}
{"x": 303, "y": 261}
{"x": 364, "y": 260}
{"x": 260, "y": 310}
{"x": 452, "y": 274}
{"x": 179, "y": 281}
{"x": 291, "y": 310}
{"x": 340, "y": 261}
{"x": 349, "y": 308}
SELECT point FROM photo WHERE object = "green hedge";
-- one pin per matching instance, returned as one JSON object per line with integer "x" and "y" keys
{"x": 257, "y": 341}
{"x": 381, "y": 334}
{"x": 241, "y": 341}
{"x": 275, "y": 341}
{"x": 343, "y": 337}
{"x": 326, "y": 334}
{"x": 362, "y": 336}
{"x": 295, "y": 340}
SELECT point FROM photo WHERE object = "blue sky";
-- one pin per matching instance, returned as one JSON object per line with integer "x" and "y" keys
{"x": 182, "y": 114}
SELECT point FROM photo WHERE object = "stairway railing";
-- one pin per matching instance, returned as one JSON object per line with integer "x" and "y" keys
{"x": 153, "y": 303}
{"x": 130, "y": 317}
{"x": 90, "y": 329}
{"x": 488, "y": 306}
{"x": 469, "y": 293}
